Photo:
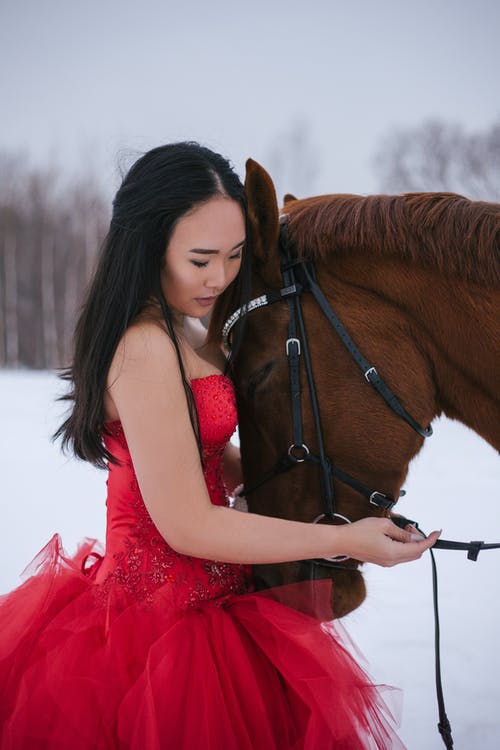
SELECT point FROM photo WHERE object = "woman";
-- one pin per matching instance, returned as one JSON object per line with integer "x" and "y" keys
{"x": 161, "y": 642}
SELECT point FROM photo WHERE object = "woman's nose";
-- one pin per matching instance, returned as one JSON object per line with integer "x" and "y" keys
{"x": 216, "y": 279}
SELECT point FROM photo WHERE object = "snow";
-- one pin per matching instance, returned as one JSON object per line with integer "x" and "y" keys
{"x": 453, "y": 484}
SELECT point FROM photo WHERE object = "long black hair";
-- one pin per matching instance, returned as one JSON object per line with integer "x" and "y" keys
{"x": 160, "y": 188}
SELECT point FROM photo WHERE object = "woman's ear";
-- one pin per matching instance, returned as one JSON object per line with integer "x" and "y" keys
{"x": 263, "y": 222}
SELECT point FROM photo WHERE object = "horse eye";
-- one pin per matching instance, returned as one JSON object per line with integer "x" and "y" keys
{"x": 257, "y": 378}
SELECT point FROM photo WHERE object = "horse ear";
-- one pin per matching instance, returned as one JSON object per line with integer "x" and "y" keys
{"x": 289, "y": 198}
{"x": 263, "y": 220}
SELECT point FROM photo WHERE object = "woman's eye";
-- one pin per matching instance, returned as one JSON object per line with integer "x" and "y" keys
{"x": 236, "y": 256}
{"x": 200, "y": 263}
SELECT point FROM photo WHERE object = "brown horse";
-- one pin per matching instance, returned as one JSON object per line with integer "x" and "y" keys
{"x": 415, "y": 280}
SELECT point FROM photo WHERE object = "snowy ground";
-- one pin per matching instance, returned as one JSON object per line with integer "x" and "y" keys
{"x": 454, "y": 484}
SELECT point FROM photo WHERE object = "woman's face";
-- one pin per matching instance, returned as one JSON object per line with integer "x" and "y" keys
{"x": 203, "y": 256}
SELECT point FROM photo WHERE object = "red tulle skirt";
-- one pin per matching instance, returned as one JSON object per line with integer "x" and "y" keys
{"x": 259, "y": 671}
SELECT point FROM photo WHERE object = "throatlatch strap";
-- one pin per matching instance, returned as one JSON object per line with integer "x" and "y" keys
{"x": 368, "y": 370}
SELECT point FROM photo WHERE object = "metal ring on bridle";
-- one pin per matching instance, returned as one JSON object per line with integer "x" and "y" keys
{"x": 303, "y": 447}
{"x": 338, "y": 558}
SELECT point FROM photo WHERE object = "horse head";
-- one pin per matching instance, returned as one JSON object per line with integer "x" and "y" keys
{"x": 383, "y": 299}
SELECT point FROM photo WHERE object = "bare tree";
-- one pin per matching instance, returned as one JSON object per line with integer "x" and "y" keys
{"x": 12, "y": 166}
{"x": 49, "y": 235}
{"x": 11, "y": 324}
{"x": 439, "y": 156}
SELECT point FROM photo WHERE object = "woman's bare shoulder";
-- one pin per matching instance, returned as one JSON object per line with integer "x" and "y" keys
{"x": 144, "y": 346}
{"x": 145, "y": 356}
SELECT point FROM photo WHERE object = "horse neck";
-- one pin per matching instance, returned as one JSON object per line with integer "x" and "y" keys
{"x": 455, "y": 323}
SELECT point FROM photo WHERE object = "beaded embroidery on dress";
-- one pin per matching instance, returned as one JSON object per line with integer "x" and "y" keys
{"x": 141, "y": 560}
{"x": 145, "y": 648}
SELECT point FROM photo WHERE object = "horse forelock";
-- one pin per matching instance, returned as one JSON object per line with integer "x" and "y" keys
{"x": 445, "y": 231}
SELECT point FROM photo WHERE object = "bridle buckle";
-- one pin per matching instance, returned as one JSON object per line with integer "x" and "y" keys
{"x": 379, "y": 500}
{"x": 292, "y": 341}
{"x": 370, "y": 371}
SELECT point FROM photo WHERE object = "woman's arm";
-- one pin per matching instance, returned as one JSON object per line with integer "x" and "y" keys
{"x": 146, "y": 388}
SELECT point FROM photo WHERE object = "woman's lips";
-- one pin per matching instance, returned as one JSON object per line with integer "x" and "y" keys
{"x": 205, "y": 301}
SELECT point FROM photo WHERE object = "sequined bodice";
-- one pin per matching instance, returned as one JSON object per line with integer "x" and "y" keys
{"x": 138, "y": 561}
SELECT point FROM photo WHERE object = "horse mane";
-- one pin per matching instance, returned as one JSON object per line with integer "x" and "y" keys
{"x": 445, "y": 231}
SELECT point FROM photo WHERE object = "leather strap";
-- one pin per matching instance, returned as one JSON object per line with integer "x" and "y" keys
{"x": 369, "y": 371}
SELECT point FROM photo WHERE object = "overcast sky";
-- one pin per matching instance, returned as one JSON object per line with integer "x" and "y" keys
{"x": 86, "y": 82}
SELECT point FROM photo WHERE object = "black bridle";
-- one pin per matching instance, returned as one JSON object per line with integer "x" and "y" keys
{"x": 298, "y": 278}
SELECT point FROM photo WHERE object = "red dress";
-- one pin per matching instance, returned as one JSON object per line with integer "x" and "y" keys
{"x": 149, "y": 649}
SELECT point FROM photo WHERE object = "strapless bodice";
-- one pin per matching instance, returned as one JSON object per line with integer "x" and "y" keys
{"x": 137, "y": 556}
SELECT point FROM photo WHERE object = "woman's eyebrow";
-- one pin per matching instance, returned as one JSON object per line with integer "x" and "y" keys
{"x": 203, "y": 251}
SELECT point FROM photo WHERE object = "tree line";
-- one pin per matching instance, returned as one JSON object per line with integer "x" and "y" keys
{"x": 441, "y": 156}
{"x": 51, "y": 230}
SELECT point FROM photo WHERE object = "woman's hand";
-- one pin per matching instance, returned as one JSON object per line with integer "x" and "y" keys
{"x": 380, "y": 541}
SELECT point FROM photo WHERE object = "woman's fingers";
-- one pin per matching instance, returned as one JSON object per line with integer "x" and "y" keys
{"x": 396, "y": 533}
{"x": 380, "y": 541}
{"x": 416, "y": 534}
{"x": 432, "y": 538}
{"x": 414, "y": 547}
{"x": 405, "y": 545}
